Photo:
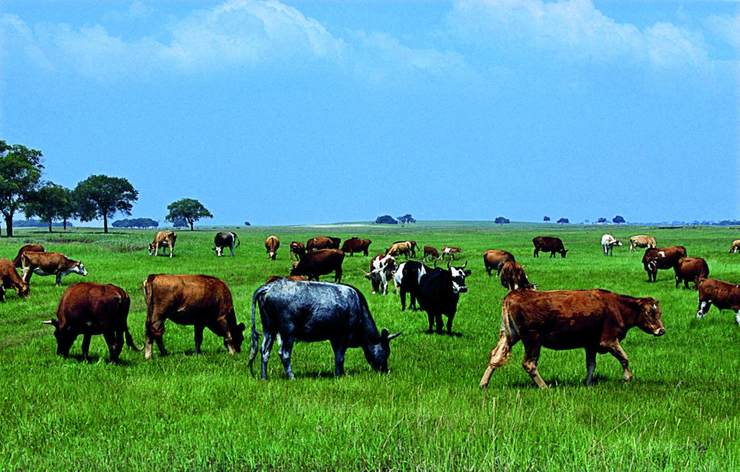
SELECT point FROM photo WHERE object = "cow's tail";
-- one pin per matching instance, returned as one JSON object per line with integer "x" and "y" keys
{"x": 254, "y": 343}
{"x": 126, "y": 304}
{"x": 501, "y": 353}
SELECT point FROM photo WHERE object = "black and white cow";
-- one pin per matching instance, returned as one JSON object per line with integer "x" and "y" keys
{"x": 608, "y": 242}
{"x": 407, "y": 279}
{"x": 381, "y": 271}
{"x": 438, "y": 293}
{"x": 317, "y": 311}
{"x": 223, "y": 240}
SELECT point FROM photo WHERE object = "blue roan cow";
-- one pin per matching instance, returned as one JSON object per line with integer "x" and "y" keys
{"x": 317, "y": 311}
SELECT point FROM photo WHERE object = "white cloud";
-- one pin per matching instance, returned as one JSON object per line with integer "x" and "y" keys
{"x": 727, "y": 28}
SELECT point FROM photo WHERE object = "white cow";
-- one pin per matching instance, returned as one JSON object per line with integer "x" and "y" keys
{"x": 382, "y": 268}
{"x": 608, "y": 242}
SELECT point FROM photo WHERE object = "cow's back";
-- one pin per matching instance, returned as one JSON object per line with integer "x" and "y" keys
{"x": 89, "y": 305}
{"x": 722, "y": 294}
{"x": 180, "y": 296}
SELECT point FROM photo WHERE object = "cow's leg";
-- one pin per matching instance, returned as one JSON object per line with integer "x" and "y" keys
{"x": 114, "y": 347}
{"x": 198, "y": 328}
{"x": 531, "y": 356}
{"x": 339, "y": 347}
{"x": 499, "y": 356}
{"x": 267, "y": 340}
{"x": 737, "y": 317}
{"x": 590, "y": 365}
{"x": 338, "y": 275}
{"x": 430, "y": 317}
{"x": 172, "y": 249}
{"x": 678, "y": 281}
{"x": 402, "y": 293}
{"x": 536, "y": 253}
{"x": 615, "y": 349}
{"x": 59, "y": 279}
{"x": 449, "y": 323}
{"x": 86, "y": 345}
{"x": 438, "y": 323}
{"x": 285, "y": 351}
{"x": 412, "y": 302}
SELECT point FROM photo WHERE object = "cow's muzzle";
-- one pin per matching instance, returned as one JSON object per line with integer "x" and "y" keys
{"x": 659, "y": 332}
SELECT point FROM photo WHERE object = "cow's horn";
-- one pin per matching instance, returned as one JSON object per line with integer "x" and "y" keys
{"x": 48, "y": 322}
{"x": 466, "y": 263}
{"x": 394, "y": 335}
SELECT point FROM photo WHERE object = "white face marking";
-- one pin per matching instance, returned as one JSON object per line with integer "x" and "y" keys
{"x": 661, "y": 253}
{"x": 700, "y": 314}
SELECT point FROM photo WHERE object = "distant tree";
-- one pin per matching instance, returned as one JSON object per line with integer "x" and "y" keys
{"x": 20, "y": 173}
{"x": 189, "y": 209}
{"x": 405, "y": 219}
{"x": 136, "y": 223}
{"x": 385, "y": 220}
{"x": 618, "y": 219}
{"x": 546, "y": 218}
{"x": 69, "y": 209}
{"x": 247, "y": 223}
{"x": 601, "y": 220}
{"x": 563, "y": 221}
{"x": 180, "y": 223}
{"x": 500, "y": 220}
{"x": 50, "y": 202}
{"x": 101, "y": 196}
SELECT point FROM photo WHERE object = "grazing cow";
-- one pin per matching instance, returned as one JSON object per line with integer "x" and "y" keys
{"x": 407, "y": 279}
{"x": 297, "y": 249}
{"x": 26, "y": 248}
{"x": 50, "y": 263}
{"x": 402, "y": 248}
{"x": 223, "y": 240}
{"x": 690, "y": 268}
{"x": 321, "y": 262}
{"x": 494, "y": 259}
{"x": 198, "y": 300}
{"x": 513, "y": 277}
{"x": 431, "y": 253}
{"x": 735, "y": 247}
{"x": 88, "y": 309}
{"x": 163, "y": 239}
{"x": 272, "y": 243}
{"x": 723, "y": 295}
{"x": 661, "y": 258}
{"x": 297, "y": 278}
{"x": 596, "y": 320}
{"x": 642, "y": 240}
{"x": 608, "y": 242}
{"x": 549, "y": 244}
{"x": 438, "y": 294}
{"x": 450, "y": 252}
{"x": 322, "y": 242}
{"x": 353, "y": 245}
{"x": 9, "y": 278}
{"x": 381, "y": 271}
{"x": 316, "y": 311}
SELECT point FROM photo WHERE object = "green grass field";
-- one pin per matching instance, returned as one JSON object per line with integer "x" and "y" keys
{"x": 187, "y": 412}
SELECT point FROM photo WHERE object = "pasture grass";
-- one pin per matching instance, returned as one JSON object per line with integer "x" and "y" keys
{"x": 188, "y": 412}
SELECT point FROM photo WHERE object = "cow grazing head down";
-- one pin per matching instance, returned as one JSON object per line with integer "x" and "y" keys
{"x": 377, "y": 353}
{"x": 458, "y": 275}
{"x": 237, "y": 338}
{"x": 649, "y": 318}
{"x": 77, "y": 268}
{"x": 64, "y": 337}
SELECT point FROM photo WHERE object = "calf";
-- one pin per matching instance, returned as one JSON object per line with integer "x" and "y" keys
{"x": 353, "y": 245}
{"x": 163, "y": 239}
{"x": 9, "y": 278}
{"x": 494, "y": 259}
{"x": 381, "y": 271}
{"x": 661, "y": 258}
{"x": 26, "y": 248}
{"x": 596, "y": 320}
{"x": 297, "y": 249}
{"x": 735, "y": 247}
{"x": 723, "y": 295}
{"x": 272, "y": 243}
{"x": 608, "y": 242}
{"x": 407, "y": 278}
{"x": 548, "y": 244}
{"x": 513, "y": 276}
{"x": 438, "y": 294}
{"x": 50, "y": 263}
{"x": 223, "y": 240}
{"x": 642, "y": 240}
{"x": 89, "y": 309}
{"x": 690, "y": 268}
{"x": 431, "y": 253}
{"x": 450, "y": 252}
{"x": 322, "y": 242}
{"x": 321, "y": 262}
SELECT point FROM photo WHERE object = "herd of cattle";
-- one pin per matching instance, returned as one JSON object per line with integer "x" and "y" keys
{"x": 298, "y": 307}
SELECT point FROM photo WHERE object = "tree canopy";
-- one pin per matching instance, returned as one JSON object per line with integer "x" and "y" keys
{"x": 563, "y": 221}
{"x": 187, "y": 209}
{"x": 405, "y": 219}
{"x": 20, "y": 173}
{"x": 546, "y": 218}
{"x": 500, "y": 220}
{"x": 618, "y": 219}
{"x": 386, "y": 220}
{"x": 50, "y": 202}
{"x": 101, "y": 196}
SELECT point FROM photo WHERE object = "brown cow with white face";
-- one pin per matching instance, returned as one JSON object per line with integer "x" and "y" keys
{"x": 450, "y": 252}
{"x": 690, "y": 269}
{"x": 494, "y": 259}
{"x": 26, "y": 248}
{"x": 723, "y": 295}
{"x": 50, "y": 263}
{"x": 661, "y": 258}
{"x": 9, "y": 278}
{"x": 163, "y": 239}
{"x": 595, "y": 320}
{"x": 272, "y": 243}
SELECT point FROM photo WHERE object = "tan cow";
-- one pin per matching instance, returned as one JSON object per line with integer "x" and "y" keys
{"x": 9, "y": 278}
{"x": 272, "y": 243}
{"x": 26, "y": 248}
{"x": 735, "y": 246}
{"x": 406, "y": 248}
{"x": 50, "y": 263}
{"x": 163, "y": 239}
{"x": 642, "y": 240}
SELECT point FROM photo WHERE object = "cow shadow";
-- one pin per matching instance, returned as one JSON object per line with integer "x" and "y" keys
{"x": 95, "y": 358}
{"x": 454, "y": 334}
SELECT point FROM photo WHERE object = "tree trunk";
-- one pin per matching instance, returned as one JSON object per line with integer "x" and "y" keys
{"x": 50, "y": 225}
{"x": 105, "y": 223}
{"x": 64, "y": 222}
{"x": 191, "y": 225}
{"x": 9, "y": 226}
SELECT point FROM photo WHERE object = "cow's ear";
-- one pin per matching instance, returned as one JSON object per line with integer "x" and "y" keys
{"x": 52, "y": 322}
{"x": 393, "y": 336}
{"x": 468, "y": 272}
{"x": 241, "y": 327}
{"x": 384, "y": 333}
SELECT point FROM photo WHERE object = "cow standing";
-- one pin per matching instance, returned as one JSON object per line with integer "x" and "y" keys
{"x": 608, "y": 242}
{"x": 223, "y": 240}
{"x": 322, "y": 242}
{"x": 438, "y": 293}
{"x": 723, "y": 295}
{"x": 431, "y": 253}
{"x": 26, "y": 248}
{"x": 735, "y": 246}
{"x": 297, "y": 249}
{"x": 50, "y": 263}
{"x": 661, "y": 258}
{"x": 321, "y": 262}
{"x": 407, "y": 279}
{"x": 513, "y": 276}
{"x": 353, "y": 245}
{"x": 381, "y": 271}
{"x": 165, "y": 240}
{"x": 9, "y": 278}
{"x": 402, "y": 248}
{"x": 450, "y": 252}
{"x": 642, "y": 240}
{"x": 596, "y": 320}
{"x": 494, "y": 259}
{"x": 549, "y": 244}
{"x": 272, "y": 243}
{"x": 690, "y": 269}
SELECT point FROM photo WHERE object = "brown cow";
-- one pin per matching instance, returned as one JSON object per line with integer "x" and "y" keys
{"x": 9, "y": 278}
{"x": 26, "y": 248}
{"x": 661, "y": 258}
{"x": 295, "y": 278}
{"x": 596, "y": 320}
{"x": 322, "y": 242}
{"x": 642, "y": 240}
{"x": 297, "y": 249}
{"x": 402, "y": 248}
{"x": 690, "y": 268}
{"x": 735, "y": 247}
{"x": 431, "y": 253}
{"x": 450, "y": 252}
{"x": 163, "y": 239}
{"x": 494, "y": 259}
{"x": 725, "y": 296}
{"x": 353, "y": 245}
{"x": 88, "y": 309}
{"x": 199, "y": 300}
{"x": 513, "y": 276}
{"x": 321, "y": 262}
{"x": 50, "y": 263}
{"x": 548, "y": 244}
{"x": 272, "y": 243}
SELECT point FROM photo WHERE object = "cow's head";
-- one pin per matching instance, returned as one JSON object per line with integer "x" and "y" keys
{"x": 23, "y": 290}
{"x": 649, "y": 317}
{"x": 64, "y": 337}
{"x": 237, "y": 338}
{"x": 78, "y": 268}
{"x": 458, "y": 275}
{"x": 152, "y": 248}
{"x": 377, "y": 353}
{"x": 563, "y": 252}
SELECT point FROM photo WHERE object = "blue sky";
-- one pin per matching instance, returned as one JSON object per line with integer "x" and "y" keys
{"x": 323, "y": 111}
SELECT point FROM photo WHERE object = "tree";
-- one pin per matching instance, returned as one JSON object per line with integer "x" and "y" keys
{"x": 563, "y": 221}
{"x": 101, "y": 196}
{"x": 189, "y": 209}
{"x": 50, "y": 202}
{"x": 500, "y": 220}
{"x": 136, "y": 223}
{"x": 405, "y": 219}
{"x": 247, "y": 223}
{"x": 546, "y": 218}
{"x": 69, "y": 209}
{"x": 20, "y": 172}
{"x": 385, "y": 220}
{"x": 601, "y": 220}
{"x": 618, "y": 219}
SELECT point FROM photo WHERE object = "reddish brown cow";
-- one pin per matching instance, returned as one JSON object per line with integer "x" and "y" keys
{"x": 494, "y": 259}
{"x": 26, "y": 248}
{"x": 297, "y": 249}
{"x": 9, "y": 278}
{"x": 513, "y": 276}
{"x": 723, "y": 295}
{"x": 431, "y": 253}
{"x": 50, "y": 263}
{"x": 450, "y": 252}
{"x": 690, "y": 268}
{"x": 549, "y": 244}
{"x": 353, "y": 245}
{"x": 596, "y": 320}
{"x": 295, "y": 278}
{"x": 322, "y": 242}
{"x": 321, "y": 262}
{"x": 272, "y": 243}
{"x": 661, "y": 258}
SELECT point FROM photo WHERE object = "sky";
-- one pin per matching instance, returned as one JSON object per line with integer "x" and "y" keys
{"x": 300, "y": 112}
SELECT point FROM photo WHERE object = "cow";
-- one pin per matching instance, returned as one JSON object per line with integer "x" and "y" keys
{"x": 297, "y": 278}
{"x": 9, "y": 278}
{"x": 272, "y": 243}
{"x": 26, "y": 248}
{"x": 381, "y": 271}
{"x": 321, "y": 262}
{"x": 513, "y": 276}
{"x": 50, "y": 263}
{"x": 642, "y": 240}
{"x": 297, "y": 249}
{"x": 735, "y": 247}
{"x": 494, "y": 259}
{"x": 163, "y": 239}
{"x": 723, "y": 295}
{"x": 402, "y": 248}
{"x": 596, "y": 320}
{"x": 438, "y": 293}
{"x": 690, "y": 269}
{"x": 548, "y": 244}
{"x": 322, "y": 242}
{"x": 353, "y": 245}
{"x": 450, "y": 252}
{"x": 198, "y": 300}
{"x": 316, "y": 311}
{"x": 661, "y": 258}
{"x": 431, "y": 253}
{"x": 407, "y": 278}
{"x": 608, "y": 242}
{"x": 223, "y": 240}
{"x": 89, "y": 309}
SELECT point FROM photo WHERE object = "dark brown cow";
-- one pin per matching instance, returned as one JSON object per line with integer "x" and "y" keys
{"x": 548, "y": 244}
{"x": 322, "y": 242}
{"x": 513, "y": 276}
{"x": 88, "y": 309}
{"x": 272, "y": 243}
{"x": 353, "y": 245}
{"x": 297, "y": 249}
{"x": 494, "y": 259}
{"x": 690, "y": 268}
{"x": 723, "y": 295}
{"x": 163, "y": 239}
{"x": 661, "y": 258}
{"x": 596, "y": 320}
{"x": 431, "y": 253}
{"x": 50, "y": 263}
{"x": 321, "y": 262}
{"x": 26, "y": 248}
{"x": 9, "y": 278}
{"x": 198, "y": 300}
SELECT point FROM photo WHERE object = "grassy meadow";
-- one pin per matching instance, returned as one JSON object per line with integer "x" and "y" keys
{"x": 188, "y": 412}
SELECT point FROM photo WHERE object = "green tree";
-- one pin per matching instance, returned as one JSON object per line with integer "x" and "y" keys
{"x": 187, "y": 209}
{"x": 101, "y": 196}
{"x": 50, "y": 202}
{"x": 20, "y": 172}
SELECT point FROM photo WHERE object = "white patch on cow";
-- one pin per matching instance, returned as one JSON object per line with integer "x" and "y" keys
{"x": 422, "y": 272}
{"x": 661, "y": 253}
{"x": 700, "y": 314}
{"x": 737, "y": 317}
{"x": 398, "y": 276}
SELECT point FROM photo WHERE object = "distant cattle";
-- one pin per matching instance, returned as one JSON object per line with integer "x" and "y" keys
{"x": 690, "y": 269}
{"x": 382, "y": 269}
{"x": 199, "y": 300}
{"x": 407, "y": 278}
{"x": 402, "y": 248}
{"x": 608, "y": 242}
{"x": 353, "y": 245}
{"x": 9, "y": 278}
{"x": 642, "y": 240}
{"x": 165, "y": 240}
{"x": 723, "y": 295}
{"x": 297, "y": 249}
{"x": 322, "y": 242}
{"x": 89, "y": 309}
{"x": 321, "y": 262}
{"x": 430, "y": 253}
{"x": 494, "y": 259}
{"x": 272, "y": 243}
{"x": 595, "y": 320}
{"x": 548, "y": 244}
{"x": 450, "y": 252}
{"x": 735, "y": 247}
{"x": 438, "y": 293}
{"x": 316, "y": 311}
{"x": 50, "y": 263}
{"x": 26, "y": 248}
{"x": 223, "y": 240}
{"x": 661, "y": 258}
{"x": 513, "y": 276}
